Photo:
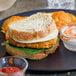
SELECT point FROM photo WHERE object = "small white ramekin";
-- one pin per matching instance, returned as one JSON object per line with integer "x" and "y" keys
{"x": 69, "y": 43}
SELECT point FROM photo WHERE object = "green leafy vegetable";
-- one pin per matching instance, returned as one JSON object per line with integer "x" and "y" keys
{"x": 28, "y": 51}
{"x": 58, "y": 38}
{"x": 5, "y": 43}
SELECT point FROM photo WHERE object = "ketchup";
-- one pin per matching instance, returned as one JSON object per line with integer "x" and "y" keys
{"x": 10, "y": 69}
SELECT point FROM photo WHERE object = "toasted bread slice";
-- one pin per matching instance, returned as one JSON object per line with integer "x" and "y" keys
{"x": 34, "y": 27}
{"x": 37, "y": 56}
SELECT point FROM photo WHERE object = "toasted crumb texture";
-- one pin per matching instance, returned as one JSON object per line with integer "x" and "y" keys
{"x": 37, "y": 56}
{"x": 7, "y": 22}
{"x": 35, "y": 26}
{"x": 45, "y": 44}
{"x": 62, "y": 18}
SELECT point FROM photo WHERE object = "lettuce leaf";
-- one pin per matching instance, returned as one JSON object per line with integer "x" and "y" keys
{"x": 58, "y": 38}
{"x": 5, "y": 43}
{"x": 28, "y": 51}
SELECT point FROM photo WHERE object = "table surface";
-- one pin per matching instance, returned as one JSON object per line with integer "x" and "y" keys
{"x": 28, "y": 5}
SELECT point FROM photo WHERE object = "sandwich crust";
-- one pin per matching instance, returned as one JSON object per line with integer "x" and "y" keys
{"x": 45, "y": 44}
{"x": 37, "y": 56}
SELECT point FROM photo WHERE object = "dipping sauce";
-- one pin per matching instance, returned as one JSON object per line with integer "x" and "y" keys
{"x": 9, "y": 70}
{"x": 13, "y": 66}
{"x": 68, "y": 36}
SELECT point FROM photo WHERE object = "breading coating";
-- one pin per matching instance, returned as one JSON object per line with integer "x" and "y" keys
{"x": 62, "y": 18}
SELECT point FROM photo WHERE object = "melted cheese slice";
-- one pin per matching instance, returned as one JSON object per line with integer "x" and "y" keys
{"x": 49, "y": 37}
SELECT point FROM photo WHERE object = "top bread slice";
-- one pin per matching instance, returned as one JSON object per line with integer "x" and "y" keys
{"x": 35, "y": 26}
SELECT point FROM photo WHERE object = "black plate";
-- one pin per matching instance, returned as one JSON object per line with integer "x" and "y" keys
{"x": 62, "y": 60}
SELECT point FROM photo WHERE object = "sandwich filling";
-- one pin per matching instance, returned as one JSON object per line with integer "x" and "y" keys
{"x": 30, "y": 51}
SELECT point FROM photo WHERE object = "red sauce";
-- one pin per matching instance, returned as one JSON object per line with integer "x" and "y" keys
{"x": 10, "y": 69}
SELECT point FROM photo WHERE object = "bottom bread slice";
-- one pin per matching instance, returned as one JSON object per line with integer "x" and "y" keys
{"x": 37, "y": 56}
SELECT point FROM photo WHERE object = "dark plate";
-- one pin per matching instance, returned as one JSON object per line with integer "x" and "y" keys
{"x": 62, "y": 60}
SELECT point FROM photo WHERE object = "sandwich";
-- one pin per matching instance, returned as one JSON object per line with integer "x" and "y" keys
{"x": 34, "y": 37}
